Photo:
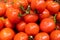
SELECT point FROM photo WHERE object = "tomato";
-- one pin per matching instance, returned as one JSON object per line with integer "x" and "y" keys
{"x": 42, "y": 36}
{"x": 21, "y": 26}
{"x": 58, "y": 16}
{"x": 32, "y": 29}
{"x": 49, "y": 0}
{"x": 38, "y": 4}
{"x": 21, "y": 36}
{"x": 7, "y": 34}
{"x": 53, "y": 6}
{"x": 2, "y": 8}
{"x": 55, "y": 35}
{"x": 30, "y": 18}
{"x": 47, "y": 25}
{"x": 8, "y": 24}
{"x": 12, "y": 15}
{"x": 1, "y": 24}
{"x": 29, "y": 1}
{"x": 18, "y": 3}
{"x": 44, "y": 14}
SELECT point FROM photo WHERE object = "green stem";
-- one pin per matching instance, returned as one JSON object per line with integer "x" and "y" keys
{"x": 55, "y": 18}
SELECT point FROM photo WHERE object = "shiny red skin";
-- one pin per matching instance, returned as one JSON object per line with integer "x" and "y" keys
{"x": 21, "y": 36}
{"x": 42, "y": 36}
{"x": 55, "y": 35}
{"x": 31, "y": 29}
{"x": 21, "y": 26}
{"x": 47, "y": 25}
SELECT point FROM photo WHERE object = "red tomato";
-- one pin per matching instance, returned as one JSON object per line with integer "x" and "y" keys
{"x": 30, "y": 18}
{"x": 44, "y": 14}
{"x": 42, "y": 36}
{"x": 21, "y": 26}
{"x": 53, "y": 6}
{"x": 8, "y": 24}
{"x": 1, "y": 24}
{"x": 47, "y": 25}
{"x": 55, "y": 35}
{"x": 18, "y": 3}
{"x": 32, "y": 29}
{"x": 58, "y": 16}
{"x": 21, "y": 36}
{"x": 2, "y": 9}
{"x": 7, "y": 34}
{"x": 12, "y": 15}
{"x": 29, "y": 1}
{"x": 38, "y": 4}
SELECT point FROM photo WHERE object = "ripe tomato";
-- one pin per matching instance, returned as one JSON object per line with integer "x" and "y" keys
{"x": 32, "y": 29}
{"x": 30, "y": 18}
{"x": 2, "y": 8}
{"x": 21, "y": 36}
{"x": 44, "y": 14}
{"x": 53, "y": 6}
{"x": 42, "y": 36}
{"x": 18, "y": 3}
{"x": 12, "y": 15}
{"x": 7, "y": 34}
{"x": 47, "y": 25}
{"x": 38, "y": 4}
{"x": 21, "y": 26}
{"x": 29, "y": 1}
{"x": 1, "y": 24}
{"x": 55, "y": 35}
{"x": 8, "y": 24}
{"x": 58, "y": 16}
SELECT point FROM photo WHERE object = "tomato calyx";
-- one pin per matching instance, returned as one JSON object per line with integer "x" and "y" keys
{"x": 55, "y": 18}
{"x": 30, "y": 37}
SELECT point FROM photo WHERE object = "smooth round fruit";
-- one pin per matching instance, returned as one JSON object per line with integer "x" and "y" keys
{"x": 42, "y": 36}
{"x": 32, "y": 29}
{"x": 6, "y": 34}
{"x": 47, "y": 25}
{"x": 55, "y": 35}
{"x": 21, "y": 36}
{"x": 21, "y": 26}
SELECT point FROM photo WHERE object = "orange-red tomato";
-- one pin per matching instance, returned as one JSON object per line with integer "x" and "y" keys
{"x": 44, "y": 14}
{"x": 21, "y": 36}
{"x": 53, "y": 6}
{"x": 8, "y": 24}
{"x": 1, "y": 24}
{"x": 6, "y": 34}
{"x": 18, "y": 3}
{"x": 58, "y": 16}
{"x": 42, "y": 36}
{"x": 21, "y": 26}
{"x": 55, "y": 35}
{"x": 47, "y": 25}
{"x": 2, "y": 8}
{"x": 30, "y": 18}
{"x": 12, "y": 15}
{"x": 32, "y": 29}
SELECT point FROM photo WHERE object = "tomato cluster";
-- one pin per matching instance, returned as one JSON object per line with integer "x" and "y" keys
{"x": 29, "y": 20}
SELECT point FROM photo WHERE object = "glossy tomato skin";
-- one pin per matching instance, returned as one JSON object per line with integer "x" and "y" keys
{"x": 32, "y": 29}
{"x": 21, "y": 36}
{"x": 1, "y": 24}
{"x": 44, "y": 14}
{"x": 53, "y": 7}
{"x": 8, "y": 24}
{"x": 29, "y": 18}
{"x": 18, "y": 3}
{"x": 2, "y": 8}
{"x": 55, "y": 35}
{"x": 47, "y": 25}
{"x": 12, "y": 15}
{"x": 21, "y": 26}
{"x": 42, "y": 36}
{"x": 6, "y": 34}
{"x": 38, "y": 4}
{"x": 58, "y": 16}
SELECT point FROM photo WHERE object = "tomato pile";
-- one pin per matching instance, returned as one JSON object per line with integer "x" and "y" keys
{"x": 29, "y": 20}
